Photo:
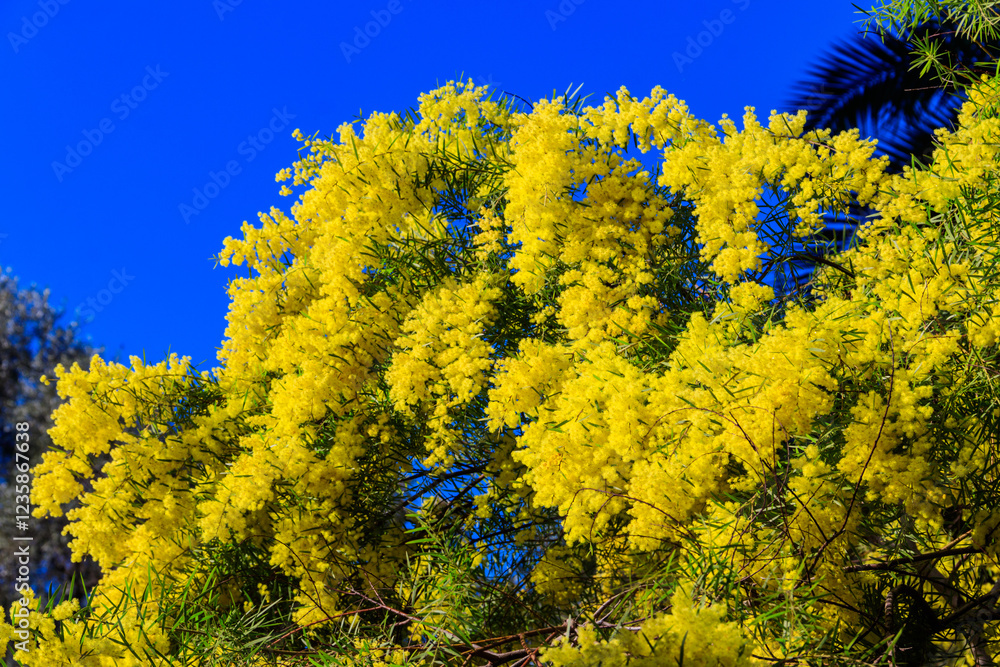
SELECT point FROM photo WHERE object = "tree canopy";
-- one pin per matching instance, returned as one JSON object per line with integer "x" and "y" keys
{"x": 35, "y": 339}
{"x": 492, "y": 393}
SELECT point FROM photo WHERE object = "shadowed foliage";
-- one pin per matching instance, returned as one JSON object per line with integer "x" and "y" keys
{"x": 881, "y": 86}
{"x": 885, "y": 86}
{"x": 34, "y": 341}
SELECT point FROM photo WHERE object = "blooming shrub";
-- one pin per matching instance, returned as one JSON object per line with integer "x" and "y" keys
{"x": 493, "y": 391}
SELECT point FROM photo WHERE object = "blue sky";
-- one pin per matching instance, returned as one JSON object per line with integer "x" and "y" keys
{"x": 120, "y": 116}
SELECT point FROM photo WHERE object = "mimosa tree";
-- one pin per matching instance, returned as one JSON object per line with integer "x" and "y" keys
{"x": 492, "y": 393}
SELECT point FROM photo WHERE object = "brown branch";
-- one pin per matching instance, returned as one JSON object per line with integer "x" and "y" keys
{"x": 971, "y": 628}
{"x": 891, "y": 564}
{"x": 857, "y": 487}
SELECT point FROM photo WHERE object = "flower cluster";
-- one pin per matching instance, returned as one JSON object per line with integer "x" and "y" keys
{"x": 501, "y": 309}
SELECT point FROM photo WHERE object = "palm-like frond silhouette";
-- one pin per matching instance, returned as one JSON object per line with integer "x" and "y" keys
{"x": 885, "y": 87}
{"x": 878, "y": 85}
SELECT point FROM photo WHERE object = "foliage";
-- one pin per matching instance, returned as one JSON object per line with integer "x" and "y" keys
{"x": 494, "y": 394}
{"x": 973, "y": 24}
{"x": 882, "y": 86}
{"x": 34, "y": 341}
{"x": 899, "y": 87}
